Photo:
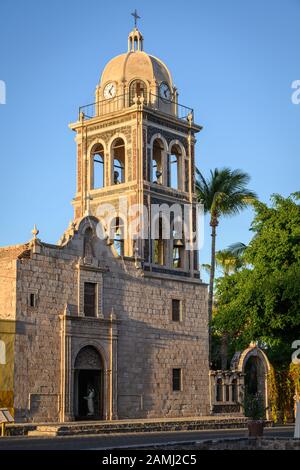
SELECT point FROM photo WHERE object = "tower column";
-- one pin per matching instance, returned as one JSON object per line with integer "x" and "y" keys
{"x": 165, "y": 167}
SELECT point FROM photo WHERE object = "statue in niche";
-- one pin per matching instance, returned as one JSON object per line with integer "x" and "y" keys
{"x": 90, "y": 400}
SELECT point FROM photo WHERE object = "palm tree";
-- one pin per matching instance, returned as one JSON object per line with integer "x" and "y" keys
{"x": 224, "y": 193}
{"x": 229, "y": 262}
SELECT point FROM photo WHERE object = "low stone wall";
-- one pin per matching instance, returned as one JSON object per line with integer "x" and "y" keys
{"x": 238, "y": 444}
{"x": 155, "y": 425}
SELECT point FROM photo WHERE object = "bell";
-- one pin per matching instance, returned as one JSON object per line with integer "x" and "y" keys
{"x": 116, "y": 177}
{"x": 178, "y": 243}
{"x": 158, "y": 175}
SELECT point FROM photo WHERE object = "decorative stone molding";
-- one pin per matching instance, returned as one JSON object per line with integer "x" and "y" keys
{"x": 85, "y": 342}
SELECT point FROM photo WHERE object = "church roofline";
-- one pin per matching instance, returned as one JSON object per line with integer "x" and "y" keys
{"x": 13, "y": 251}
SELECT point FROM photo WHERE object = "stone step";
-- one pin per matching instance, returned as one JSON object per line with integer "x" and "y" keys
{"x": 39, "y": 433}
{"x": 101, "y": 427}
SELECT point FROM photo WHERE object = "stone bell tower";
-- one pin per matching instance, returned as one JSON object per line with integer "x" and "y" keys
{"x": 122, "y": 320}
{"x": 137, "y": 142}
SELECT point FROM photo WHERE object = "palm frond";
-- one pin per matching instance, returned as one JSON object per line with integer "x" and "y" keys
{"x": 206, "y": 267}
{"x": 237, "y": 249}
{"x": 224, "y": 191}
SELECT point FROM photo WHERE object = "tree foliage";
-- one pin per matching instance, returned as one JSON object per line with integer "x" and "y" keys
{"x": 261, "y": 302}
{"x": 223, "y": 194}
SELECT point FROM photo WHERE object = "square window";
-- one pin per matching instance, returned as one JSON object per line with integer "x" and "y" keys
{"x": 177, "y": 380}
{"x": 90, "y": 299}
{"x": 176, "y": 310}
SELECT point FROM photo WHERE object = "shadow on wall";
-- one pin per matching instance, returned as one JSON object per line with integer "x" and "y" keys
{"x": 146, "y": 358}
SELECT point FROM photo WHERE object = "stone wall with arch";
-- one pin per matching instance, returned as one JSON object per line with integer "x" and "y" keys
{"x": 257, "y": 359}
{"x": 222, "y": 396}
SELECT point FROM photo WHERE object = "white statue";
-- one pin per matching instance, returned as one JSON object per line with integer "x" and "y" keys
{"x": 297, "y": 423}
{"x": 90, "y": 401}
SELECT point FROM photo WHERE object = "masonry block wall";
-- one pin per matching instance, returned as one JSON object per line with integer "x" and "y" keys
{"x": 148, "y": 343}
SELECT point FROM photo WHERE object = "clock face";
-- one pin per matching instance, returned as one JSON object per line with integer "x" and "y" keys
{"x": 109, "y": 91}
{"x": 164, "y": 91}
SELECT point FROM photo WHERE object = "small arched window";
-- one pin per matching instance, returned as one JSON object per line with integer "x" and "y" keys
{"x": 98, "y": 167}
{"x": 219, "y": 391}
{"x": 2, "y": 353}
{"x": 118, "y": 155}
{"x": 174, "y": 168}
{"x": 118, "y": 235}
{"x": 137, "y": 88}
{"x": 157, "y": 159}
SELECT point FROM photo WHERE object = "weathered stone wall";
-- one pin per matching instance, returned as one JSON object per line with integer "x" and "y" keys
{"x": 149, "y": 346}
{"x": 267, "y": 443}
{"x": 38, "y": 343}
{"x": 7, "y": 324}
{"x": 8, "y": 283}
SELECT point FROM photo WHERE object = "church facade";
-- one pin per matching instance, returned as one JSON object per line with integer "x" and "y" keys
{"x": 114, "y": 326}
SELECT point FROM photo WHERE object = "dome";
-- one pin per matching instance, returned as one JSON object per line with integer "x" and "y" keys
{"x": 138, "y": 64}
{"x": 135, "y": 65}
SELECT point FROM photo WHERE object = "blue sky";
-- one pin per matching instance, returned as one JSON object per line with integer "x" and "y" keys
{"x": 233, "y": 62}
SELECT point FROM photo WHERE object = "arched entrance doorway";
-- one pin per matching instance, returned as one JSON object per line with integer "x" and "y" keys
{"x": 252, "y": 376}
{"x": 88, "y": 385}
{"x": 255, "y": 366}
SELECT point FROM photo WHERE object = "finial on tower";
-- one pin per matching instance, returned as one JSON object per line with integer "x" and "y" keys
{"x": 35, "y": 232}
{"x": 135, "y": 38}
{"x": 35, "y": 243}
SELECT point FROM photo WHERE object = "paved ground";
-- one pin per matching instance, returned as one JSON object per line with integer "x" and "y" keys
{"x": 124, "y": 440}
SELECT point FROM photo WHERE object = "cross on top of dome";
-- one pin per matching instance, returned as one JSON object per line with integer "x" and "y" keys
{"x": 136, "y": 18}
{"x": 135, "y": 38}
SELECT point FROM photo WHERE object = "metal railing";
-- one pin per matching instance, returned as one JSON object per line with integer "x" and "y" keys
{"x": 118, "y": 103}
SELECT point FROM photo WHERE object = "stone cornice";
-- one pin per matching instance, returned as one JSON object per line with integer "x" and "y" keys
{"x": 172, "y": 277}
{"x": 91, "y": 320}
